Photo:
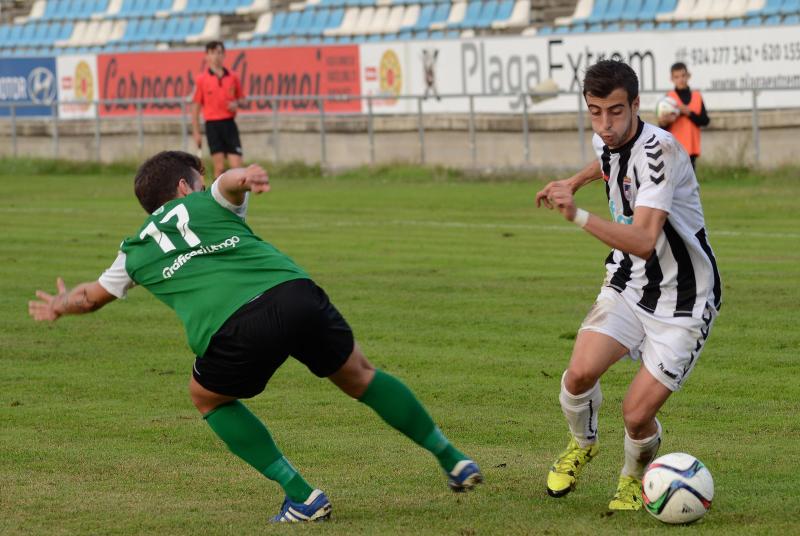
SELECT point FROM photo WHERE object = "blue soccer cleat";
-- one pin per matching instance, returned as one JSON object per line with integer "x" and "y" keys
{"x": 316, "y": 508}
{"x": 464, "y": 476}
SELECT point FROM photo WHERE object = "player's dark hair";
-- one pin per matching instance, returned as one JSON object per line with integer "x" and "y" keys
{"x": 213, "y": 45}
{"x": 157, "y": 179}
{"x": 678, "y": 66}
{"x": 602, "y": 78}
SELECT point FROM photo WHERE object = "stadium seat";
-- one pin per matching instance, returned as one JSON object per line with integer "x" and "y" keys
{"x": 519, "y": 18}
{"x": 649, "y": 25}
{"x": 410, "y": 17}
{"x": 648, "y": 10}
{"x": 348, "y": 23}
{"x": 791, "y": 19}
{"x": 305, "y": 22}
{"x": 394, "y": 21}
{"x": 717, "y": 23}
{"x": 613, "y": 11}
{"x": 736, "y": 8}
{"x": 598, "y": 11}
{"x": 583, "y": 8}
{"x": 364, "y": 21}
{"x": 423, "y": 19}
{"x": 790, "y": 7}
{"x": 699, "y": 24}
{"x": 488, "y": 14}
{"x": 462, "y": 15}
{"x": 736, "y": 23}
{"x": 334, "y": 19}
{"x": 682, "y": 11}
{"x": 770, "y": 7}
{"x": 211, "y": 30}
{"x": 377, "y": 25}
{"x": 772, "y": 20}
{"x": 631, "y": 10}
{"x": 681, "y": 25}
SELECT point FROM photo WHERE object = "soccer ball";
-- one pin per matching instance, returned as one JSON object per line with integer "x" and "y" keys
{"x": 677, "y": 488}
{"x": 665, "y": 107}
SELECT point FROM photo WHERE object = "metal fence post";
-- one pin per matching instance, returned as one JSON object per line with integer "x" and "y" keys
{"x": 322, "y": 148}
{"x": 97, "y": 130}
{"x": 756, "y": 133}
{"x": 473, "y": 151}
{"x": 54, "y": 109}
{"x": 370, "y": 131}
{"x": 275, "y": 131}
{"x": 421, "y": 132}
{"x": 14, "y": 130}
{"x": 140, "y": 126}
{"x": 526, "y": 148}
{"x": 184, "y": 127}
{"x": 581, "y": 128}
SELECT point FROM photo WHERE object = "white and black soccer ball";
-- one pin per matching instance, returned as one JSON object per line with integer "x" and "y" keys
{"x": 677, "y": 488}
{"x": 666, "y": 107}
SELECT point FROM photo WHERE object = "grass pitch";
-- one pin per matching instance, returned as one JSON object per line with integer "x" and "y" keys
{"x": 461, "y": 288}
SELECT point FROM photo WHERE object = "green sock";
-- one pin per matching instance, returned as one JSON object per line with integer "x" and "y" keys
{"x": 397, "y": 405}
{"x": 248, "y": 438}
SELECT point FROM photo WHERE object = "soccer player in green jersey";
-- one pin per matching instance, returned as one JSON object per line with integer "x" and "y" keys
{"x": 245, "y": 307}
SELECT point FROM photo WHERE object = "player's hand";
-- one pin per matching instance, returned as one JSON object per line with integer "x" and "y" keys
{"x": 44, "y": 309}
{"x": 256, "y": 178}
{"x": 560, "y": 196}
{"x": 684, "y": 110}
{"x": 233, "y": 106}
{"x": 543, "y": 195}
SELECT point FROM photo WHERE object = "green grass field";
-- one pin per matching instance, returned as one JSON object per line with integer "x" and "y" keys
{"x": 460, "y": 287}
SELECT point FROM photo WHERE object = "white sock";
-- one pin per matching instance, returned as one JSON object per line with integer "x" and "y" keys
{"x": 640, "y": 452}
{"x": 581, "y": 412}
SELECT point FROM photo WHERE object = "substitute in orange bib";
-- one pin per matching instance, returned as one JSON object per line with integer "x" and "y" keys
{"x": 685, "y": 125}
{"x": 219, "y": 93}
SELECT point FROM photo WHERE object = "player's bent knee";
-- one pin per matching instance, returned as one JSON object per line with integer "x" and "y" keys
{"x": 579, "y": 380}
{"x": 639, "y": 424}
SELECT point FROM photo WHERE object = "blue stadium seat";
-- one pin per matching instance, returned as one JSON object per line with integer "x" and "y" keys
{"x": 335, "y": 18}
{"x": 613, "y": 27}
{"x": 278, "y": 20}
{"x": 648, "y": 25}
{"x": 595, "y": 28}
{"x": 424, "y": 19}
{"x": 736, "y": 23}
{"x": 667, "y": 6}
{"x": 471, "y": 16}
{"x": 598, "y": 11}
{"x": 632, "y": 10}
{"x": 648, "y": 10}
{"x": 681, "y": 25}
{"x": 664, "y": 25}
{"x": 771, "y": 7}
{"x": 290, "y": 24}
{"x": 791, "y": 19}
{"x": 488, "y": 14}
{"x": 753, "y": 21}
{"x": 790, "y": 7}
{"x": 772, "y": 20}
{"x": 717, "y": 23}
{"x": 504, "y": 10}
{"x": 699, "y": 24}
{"x": 563, "y": 29}
{"x": 441, "y": 12}
{"x": 614, "y": 10}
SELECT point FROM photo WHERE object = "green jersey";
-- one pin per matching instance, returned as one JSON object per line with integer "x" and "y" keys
{"x": 202, "y": 260}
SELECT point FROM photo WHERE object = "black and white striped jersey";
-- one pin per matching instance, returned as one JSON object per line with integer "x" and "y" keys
{"x": 653, "y": 170}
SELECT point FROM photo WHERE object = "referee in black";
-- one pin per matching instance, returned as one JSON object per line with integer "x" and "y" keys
{"x": 219, "y": 93}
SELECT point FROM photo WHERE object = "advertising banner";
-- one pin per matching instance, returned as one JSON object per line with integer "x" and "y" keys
{"x": 732, "y": 59}
{"x": 384, "y": 75}
{"x": 29, "y": 82}
{"x": 77, "y": 86}
{"x": 288, "y": 72}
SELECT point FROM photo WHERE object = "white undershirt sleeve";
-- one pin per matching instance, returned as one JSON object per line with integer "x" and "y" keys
{"x": 116, "y": 280}
{"x": 239, "y": 210}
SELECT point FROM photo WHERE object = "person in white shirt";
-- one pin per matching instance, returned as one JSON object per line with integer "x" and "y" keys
{"x": 662, "y": 290}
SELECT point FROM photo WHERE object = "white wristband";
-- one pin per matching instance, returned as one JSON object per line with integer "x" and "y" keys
{"x": 581, "y": 218}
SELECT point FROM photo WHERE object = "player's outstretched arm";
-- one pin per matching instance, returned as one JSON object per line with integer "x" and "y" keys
{"x": 84, "y": 298}
{"x": 638, "y": 239}
{"x": 235, "y": 182}
{"x": 588, "y": 174}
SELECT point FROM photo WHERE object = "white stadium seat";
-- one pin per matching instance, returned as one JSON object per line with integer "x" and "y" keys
{"x": 395, "y": 21}
{"x": 756, "y": 5}
{"x": 364, "y": 21}
{"x": 411, "y": 16}
{"x": 262, "y": 27}
{"x": 379, "y": 20}
{"x": 113, "y": 7}
{"x": 737, "y": 8}
{"x": 179, "y": 6}
{"x": 701, "y": 10}
{"x": 682, "y": 11}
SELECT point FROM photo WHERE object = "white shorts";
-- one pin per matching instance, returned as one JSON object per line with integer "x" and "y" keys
{"x": 668, "y": 347}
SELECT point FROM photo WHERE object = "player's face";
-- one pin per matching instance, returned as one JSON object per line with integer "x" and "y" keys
{"x": 680, "y": 78}
{"x": 613, "y": 118}
{"x": 215, "y": 57}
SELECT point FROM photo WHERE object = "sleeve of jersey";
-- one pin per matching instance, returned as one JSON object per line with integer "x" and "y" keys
{"x": 198, "y": 91}
{"x": 597, "y": 145}
{"x": 116, "y": 280}
{"x": 239, "y": 210}
{"x": 656, "y": 180}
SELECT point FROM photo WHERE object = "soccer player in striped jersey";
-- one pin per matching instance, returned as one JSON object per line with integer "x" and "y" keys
{"x": 661, "y": 292}
{"x": 245, "y": 307}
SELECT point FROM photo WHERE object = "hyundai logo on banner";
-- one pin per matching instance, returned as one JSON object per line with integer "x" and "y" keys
{"x": 29, "y": 84}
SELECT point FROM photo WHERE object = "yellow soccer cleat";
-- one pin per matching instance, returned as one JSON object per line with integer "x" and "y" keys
{"x": 628, "y": 495}
{"x": 565, "y": 470}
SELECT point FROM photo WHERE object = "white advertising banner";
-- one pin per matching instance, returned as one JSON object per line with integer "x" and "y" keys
{"x": 384, "y": 74}
{"x": 725, "y": 65}
{"x": 77, "y": 85}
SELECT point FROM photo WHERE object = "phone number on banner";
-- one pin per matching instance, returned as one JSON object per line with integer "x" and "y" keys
{"x": 740, "y": 54}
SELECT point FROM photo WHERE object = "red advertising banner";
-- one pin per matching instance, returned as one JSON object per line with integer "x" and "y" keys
{"x": 296, "y": 72}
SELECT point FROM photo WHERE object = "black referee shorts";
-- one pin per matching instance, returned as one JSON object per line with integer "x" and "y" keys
{"x": 294, "y": 318}
{"x": 223, "y": 137}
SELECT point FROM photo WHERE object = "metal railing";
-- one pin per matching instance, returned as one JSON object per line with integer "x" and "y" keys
{"x": 276, "y": 102}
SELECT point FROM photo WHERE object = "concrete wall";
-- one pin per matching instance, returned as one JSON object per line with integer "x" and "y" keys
{"x": 499, "y": 141}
